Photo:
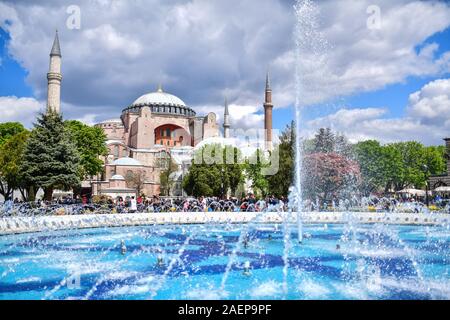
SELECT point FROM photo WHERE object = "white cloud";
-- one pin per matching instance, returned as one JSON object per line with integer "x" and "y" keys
{"x": 344, "y": 56}
{"x": 241, "y": 116}
{"x": 23, "y": 110}
{"x": 203, "y": 50}
{"x": 431, "y": 104}
{"x": 427, "y": 120}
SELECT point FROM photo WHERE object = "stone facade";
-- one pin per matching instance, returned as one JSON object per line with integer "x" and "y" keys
{"x": 142, "y": 141}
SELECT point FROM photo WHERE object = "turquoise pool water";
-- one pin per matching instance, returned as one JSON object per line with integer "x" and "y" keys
{"x": 209, "y": 262}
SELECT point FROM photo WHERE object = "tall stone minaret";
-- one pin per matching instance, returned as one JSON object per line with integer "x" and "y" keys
{"x": 226, "y": 121}
{"x": 54, "y": 78}
{"x": 268, "y": 106}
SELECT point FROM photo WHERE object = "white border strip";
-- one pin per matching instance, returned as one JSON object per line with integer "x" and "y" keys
{"x": 11, "y": 225}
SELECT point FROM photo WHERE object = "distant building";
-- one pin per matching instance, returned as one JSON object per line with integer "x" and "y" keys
{"x": 156, "y": 128}
{"x": 140, "y": 143}
{"x": 442, "y": 180}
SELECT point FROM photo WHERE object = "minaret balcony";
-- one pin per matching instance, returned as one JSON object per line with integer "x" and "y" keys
{"x": 54, "y": 76}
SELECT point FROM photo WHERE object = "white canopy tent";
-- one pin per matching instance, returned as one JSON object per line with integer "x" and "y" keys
{"x": 415, "y": 192}
{"x": 442, "y": 189}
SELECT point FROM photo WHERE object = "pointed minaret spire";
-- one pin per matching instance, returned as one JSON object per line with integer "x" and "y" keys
{"x": 56, "y": 49}
{"x": 226, "y": 121}
{"x": 54, "y": 78}
{"x": 226, "y": 107}
{"x": 267, "y": 81}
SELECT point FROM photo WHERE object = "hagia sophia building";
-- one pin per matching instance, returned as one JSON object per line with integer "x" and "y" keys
{"x": 156, "y": 128}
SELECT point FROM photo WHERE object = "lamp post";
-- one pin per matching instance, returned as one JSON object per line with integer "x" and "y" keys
{"x": 425, "y": 169}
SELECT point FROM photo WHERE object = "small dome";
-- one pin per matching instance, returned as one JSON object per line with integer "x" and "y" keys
{"x": 117, "y": 177}
{"x": 159, "y": 98}
{"x": 126, "y": 161}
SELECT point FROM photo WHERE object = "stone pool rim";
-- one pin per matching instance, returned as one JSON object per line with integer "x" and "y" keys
{"x": 18, "y": 224}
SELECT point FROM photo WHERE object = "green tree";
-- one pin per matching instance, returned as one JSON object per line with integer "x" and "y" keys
{"x": 234, "y": 170}
{"x": 253, "y": 170}
{"x": 324, "y": 141}
{"x": 198, "y": 182}
{"x": 91, "y": 144}
{"x": 372, "y": 161}
{"x": 434, "y": 158}
{"x": 280, "y": 182}
{"x": 215, "y": 170}
{"x": 9, "y": 129}
{"x": 51, "y": 159}
{"x": 11, "y": 155}
{"x": 408, "y": 164}
{"x": 166, "y": 177}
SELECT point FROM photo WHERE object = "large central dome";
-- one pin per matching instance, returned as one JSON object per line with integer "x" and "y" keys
{"x": 161, "y": 102}
{"x": 160, "y": 98}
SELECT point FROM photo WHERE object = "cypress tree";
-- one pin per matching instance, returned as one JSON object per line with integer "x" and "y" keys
{"x": 51, "y": 160}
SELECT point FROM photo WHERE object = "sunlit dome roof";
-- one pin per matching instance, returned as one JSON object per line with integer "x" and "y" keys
{"x": 160, "y": 102}
{"x": 126, "y": 161}
{"x": 117, "y": 177}
{"x": 159, "y": 98}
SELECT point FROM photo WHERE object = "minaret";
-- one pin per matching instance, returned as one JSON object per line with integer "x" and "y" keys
{"x": 268, "y": 106}
{"x": 226, "y": 121}
{"x": 54, "y": 78}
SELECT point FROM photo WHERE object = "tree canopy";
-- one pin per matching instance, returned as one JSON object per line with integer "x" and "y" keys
{"x": 280, "y": 182}
{"x": 51, "y": 159}
{"x": 90, "y": 143}
{"x": 11, "y": 156}
{"x": 9, "y": 129}
{"x": 216, "y": 174}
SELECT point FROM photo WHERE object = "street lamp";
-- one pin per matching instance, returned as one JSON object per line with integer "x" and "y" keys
{"x": 425, "y": 169}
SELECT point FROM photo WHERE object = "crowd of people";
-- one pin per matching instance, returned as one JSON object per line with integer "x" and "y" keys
{"x": 249, "y": 203}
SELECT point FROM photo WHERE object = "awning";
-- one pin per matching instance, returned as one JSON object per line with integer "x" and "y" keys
{"x": 416, "y": 192}
{"x": 442, "y": 189}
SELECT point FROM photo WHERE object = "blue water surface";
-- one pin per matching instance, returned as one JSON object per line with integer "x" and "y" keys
{"x": 209, "y": 262}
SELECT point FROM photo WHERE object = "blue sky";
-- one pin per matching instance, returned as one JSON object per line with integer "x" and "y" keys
{"x": 12, "y": 75}
{"x": 365, "y": 91}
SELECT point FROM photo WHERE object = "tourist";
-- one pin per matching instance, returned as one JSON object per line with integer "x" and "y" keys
{"x": 133, "y": 205}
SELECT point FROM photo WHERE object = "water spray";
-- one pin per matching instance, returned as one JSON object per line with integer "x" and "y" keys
{"x": 123, "y": 248}
{"x": 247, "y": 268}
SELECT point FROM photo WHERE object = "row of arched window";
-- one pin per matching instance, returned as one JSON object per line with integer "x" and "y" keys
{"x": 165, "y": 109}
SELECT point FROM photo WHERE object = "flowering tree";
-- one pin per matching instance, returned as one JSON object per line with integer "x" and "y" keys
{"x": 326, "y": 175}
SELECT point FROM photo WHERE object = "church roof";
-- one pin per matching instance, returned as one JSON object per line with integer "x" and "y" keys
{"x": 159, "y": 98}
{"x": 160, "y": 102}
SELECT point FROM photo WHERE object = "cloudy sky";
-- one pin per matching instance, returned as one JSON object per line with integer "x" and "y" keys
{"x": 369, "y": 69}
